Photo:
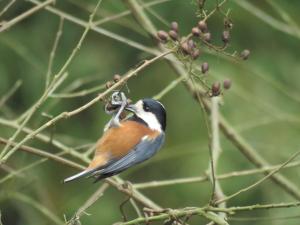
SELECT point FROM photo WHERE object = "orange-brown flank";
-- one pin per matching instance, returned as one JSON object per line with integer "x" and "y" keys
{"x": 118, "y": 141}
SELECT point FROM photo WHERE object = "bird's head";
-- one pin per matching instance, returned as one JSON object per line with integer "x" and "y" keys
{"x": 152, "y": 112}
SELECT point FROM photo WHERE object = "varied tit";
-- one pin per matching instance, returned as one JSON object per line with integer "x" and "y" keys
{"x": 128, "y": 142}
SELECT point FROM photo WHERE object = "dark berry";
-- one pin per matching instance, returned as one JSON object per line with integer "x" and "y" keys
{"x": 227, "y": 84}
{"x": 173, "y": 34}
{"x": 216, "y": 88}
{"x": 162, "y": 35}
{"x": 204, "y": 67}
{"x": 202, "y": 25}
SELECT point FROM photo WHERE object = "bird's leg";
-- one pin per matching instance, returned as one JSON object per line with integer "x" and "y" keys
{"x": 115, "y": 121}
{"x": 118, "y": 100}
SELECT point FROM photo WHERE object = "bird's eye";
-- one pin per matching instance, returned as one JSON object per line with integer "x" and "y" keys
{"x": 147, "y": 108}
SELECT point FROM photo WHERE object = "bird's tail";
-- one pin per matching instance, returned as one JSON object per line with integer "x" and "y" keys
{"x": 84, "y": 173}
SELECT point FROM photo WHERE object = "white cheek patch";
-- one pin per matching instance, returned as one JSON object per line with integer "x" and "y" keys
{"x": 150, "y": 119}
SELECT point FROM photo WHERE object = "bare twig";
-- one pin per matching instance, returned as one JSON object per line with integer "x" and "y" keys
{"x": 215, "y": 150}
{"x": 78, "y": 93}
{"x": 187, "y": 180}
{"x": 91, "y": 200}
{"x": 11, "y": 2}
{"x": 259, "y": 181}
{"x": 44, "y": 154}
{"x": 53, "y": 51}
{"x": 4, "y": 98}
{"x": 24, "y": 15}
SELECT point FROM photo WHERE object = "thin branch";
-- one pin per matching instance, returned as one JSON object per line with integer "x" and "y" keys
{"x": 91, "y": 200}
{"x": 81, "y": 93}
{"x": 259, "y": 181}
{"x": 168, "y": 88}
{"x": 215, "y": 149}
{"x": 174, "y": 213}
{"x": 263, "y": 218}
{"x": 208, "y": 212}
{"x": 7, "y": 7}
{"x": 154, "y": 184}
{"x": 44, "y": 154}
{"x": 14, "y": 88}
{"x": 24, "y": 15}
{"x": 127, "y": 12}
{"x": 53, "y": 51}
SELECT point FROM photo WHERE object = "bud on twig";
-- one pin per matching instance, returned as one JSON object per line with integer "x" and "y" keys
{"x": 202, "y": 26}
{"x": 173, "y": 34}
{"x": 245, "y": 54}
{"x": 185, "y": 47}
{"x": 225, "y": 36}
{"x": 174, "y": 26}
{"x": 196, "y": 31}
{"x": 227, "y": 84}
{"x": 191, "y": 45}
{"x": 162, "y": 35}
{"x": 216, "y": 88}
{"x": 207, "y": 37}
{"x": 204, "y": 67}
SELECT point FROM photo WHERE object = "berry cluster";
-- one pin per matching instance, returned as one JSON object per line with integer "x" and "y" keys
{"x": 190, "y": 46}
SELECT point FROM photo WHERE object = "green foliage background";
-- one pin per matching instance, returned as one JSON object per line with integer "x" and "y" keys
{"x": 263, "y": 105}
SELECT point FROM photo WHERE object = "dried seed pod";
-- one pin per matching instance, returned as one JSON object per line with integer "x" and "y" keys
{"x": 116, "y": 78}
{"x": 109, "y": 84}
{"x": 162, "y": 35}
{"x": 185, "y": 47}
{"x": 202, "y": 25}
{"x": 227, "y": 84}
{"x": 196, "y": 31}
{"x": 245, "y": 54}
{"x": 173, "y": 34}
{"x": 174, "y": 26}
{"x": 204, "y": 67}
{"x": 195, "y": 53}
{"x": 216, "y": 88}
{"x": 225, "y": 36}
{"x": 207, "y": 37}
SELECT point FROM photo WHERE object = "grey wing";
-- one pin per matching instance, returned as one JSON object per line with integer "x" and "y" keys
{"x": 141, "y": 152}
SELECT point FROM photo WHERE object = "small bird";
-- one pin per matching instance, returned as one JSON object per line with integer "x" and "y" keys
{"x": 128, "y": 142}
